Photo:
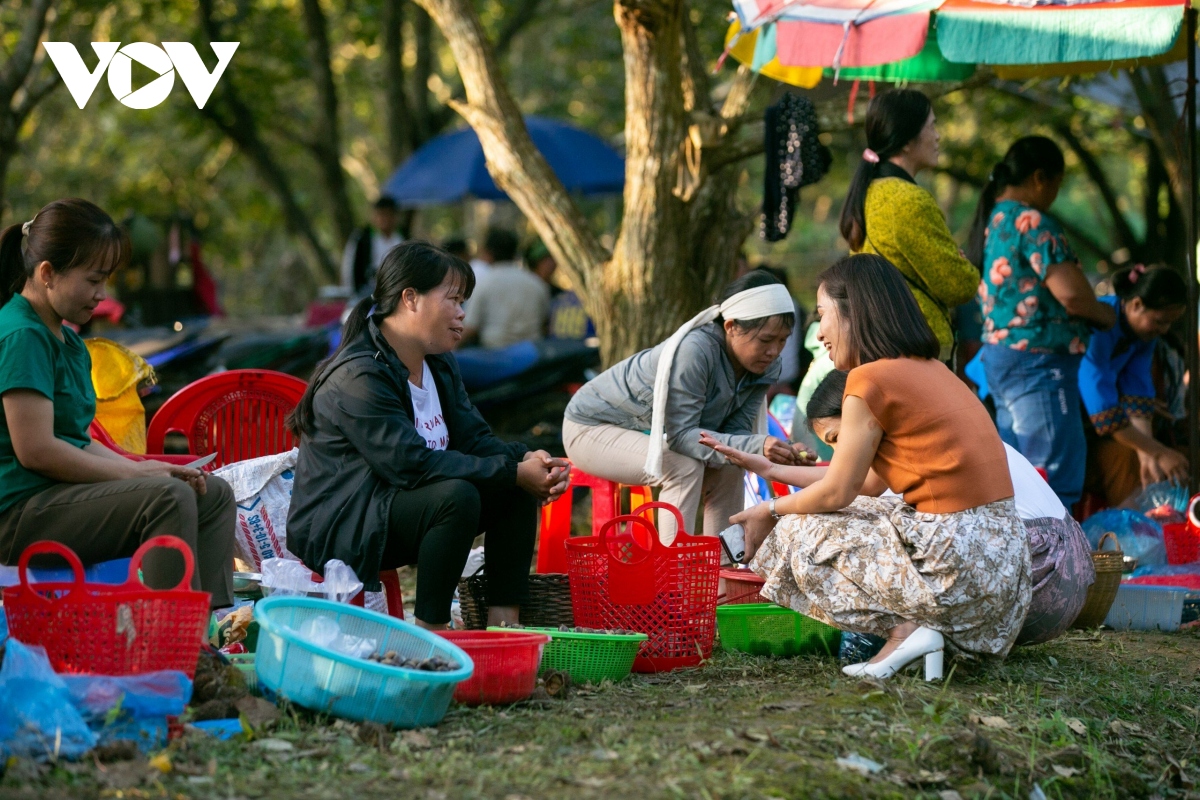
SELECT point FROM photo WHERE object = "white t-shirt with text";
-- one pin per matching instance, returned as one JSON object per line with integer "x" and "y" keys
{"x": 427, "y": 411}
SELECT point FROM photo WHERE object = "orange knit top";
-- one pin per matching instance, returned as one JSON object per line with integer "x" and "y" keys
{"x": 940, "y": 448}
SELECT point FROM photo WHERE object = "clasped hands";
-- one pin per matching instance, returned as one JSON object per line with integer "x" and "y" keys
{"x": 544, "y": 476}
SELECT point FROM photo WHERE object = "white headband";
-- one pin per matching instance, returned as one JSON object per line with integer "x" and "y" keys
{"x": 756, "y": 303}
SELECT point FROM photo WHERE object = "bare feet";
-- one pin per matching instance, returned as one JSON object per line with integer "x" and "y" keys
{"x": 897, "y": 635}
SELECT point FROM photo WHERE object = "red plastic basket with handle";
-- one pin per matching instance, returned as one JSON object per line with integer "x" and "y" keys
{"x": 741, "y": 587}
{"x": 621, "y": 580}
{"x": 104, "y": 629}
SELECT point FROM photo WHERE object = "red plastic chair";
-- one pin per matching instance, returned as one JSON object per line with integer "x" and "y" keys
{"x": 391, "y": 589}
{"x": 555, "y": 526}
{"x": 101, "y": 436}
{"x": 237, "y": 414}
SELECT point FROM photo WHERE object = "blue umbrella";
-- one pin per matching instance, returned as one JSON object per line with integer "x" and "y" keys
{"x": 451, "y": 167}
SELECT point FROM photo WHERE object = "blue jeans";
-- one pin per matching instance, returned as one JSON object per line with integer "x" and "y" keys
{"x": 1037, "y": 412}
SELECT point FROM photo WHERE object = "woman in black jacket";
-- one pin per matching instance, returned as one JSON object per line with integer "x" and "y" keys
{"x": 396, "y": 466}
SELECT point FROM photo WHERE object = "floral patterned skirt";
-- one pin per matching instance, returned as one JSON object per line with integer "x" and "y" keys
{"x": 879, "y": 562}
{"x": 1062, "y": 573}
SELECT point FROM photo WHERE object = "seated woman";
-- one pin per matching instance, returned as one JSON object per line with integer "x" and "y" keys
{"x": 1117, "y": 385}
{"x": 56, "y": 484}
{"x": 948, "y": 560}
{"x": 711, "y": 375}
{"x": 396, "y": 466}
{"x": 1061, "y": 557}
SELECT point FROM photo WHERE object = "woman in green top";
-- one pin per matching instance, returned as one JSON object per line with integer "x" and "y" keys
{"x": 55, "y": 482}
{"x": 888, "y": 214}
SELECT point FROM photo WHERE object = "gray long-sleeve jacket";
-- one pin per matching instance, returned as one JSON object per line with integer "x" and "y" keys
{"x": 704, "y": 395}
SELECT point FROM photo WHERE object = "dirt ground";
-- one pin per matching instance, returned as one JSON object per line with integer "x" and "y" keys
{"x": 1095, "y": 714}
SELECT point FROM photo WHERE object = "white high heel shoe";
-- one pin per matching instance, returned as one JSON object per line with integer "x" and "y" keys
{"x": 922, "y": 643}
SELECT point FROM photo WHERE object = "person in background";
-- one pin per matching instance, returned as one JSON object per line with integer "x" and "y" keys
{"x": 457, "y": 246}
{"x": 499, "y": 249}
{"x": 369, "y": 244}
{"x": 1117, "y": 384}
{"x": 1037, "y": 306}
{"x": 541, "y": 263}
{"x": 397, "y": 467}
{"x": 887, "y": 213}
{"x": 511, "y": 304}
{"x": 1062, "y": 567}
{"x": 56, "y": 483}
{"x": 947, "y": 560}
{"x": 710, "y": 376}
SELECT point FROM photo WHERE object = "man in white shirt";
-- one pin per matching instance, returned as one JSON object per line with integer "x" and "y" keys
{"x": 510, "y": 304}
{"x": 369, "y": 244}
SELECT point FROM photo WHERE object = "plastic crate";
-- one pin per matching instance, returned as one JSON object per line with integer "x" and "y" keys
{"x": 1146, "y": 608}
{"x": 1182, "y": 541}
{"x": 765, "y": 629}
{"x": 353, "y": 688}
{"x": 589, "y": 657}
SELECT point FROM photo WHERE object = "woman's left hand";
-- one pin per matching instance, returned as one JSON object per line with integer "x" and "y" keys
{"x": 559, "y": 472}
{"x": 758, "y": 523}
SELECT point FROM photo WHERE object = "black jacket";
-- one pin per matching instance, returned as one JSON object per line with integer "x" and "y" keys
{"x": 365, "y": 446}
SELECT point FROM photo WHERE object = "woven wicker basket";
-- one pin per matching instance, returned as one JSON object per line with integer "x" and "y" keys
{"x": 549, "y": 601}
{"x": 1102, "y": 593}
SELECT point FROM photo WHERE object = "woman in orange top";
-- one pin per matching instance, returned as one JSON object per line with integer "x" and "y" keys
{"x": 947, "y": 559}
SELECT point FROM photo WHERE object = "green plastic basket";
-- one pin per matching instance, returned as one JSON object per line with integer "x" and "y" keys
{"x": 588, "y": 657}
{"x": 765, "y": 629}
{"x": 245, "y": 665}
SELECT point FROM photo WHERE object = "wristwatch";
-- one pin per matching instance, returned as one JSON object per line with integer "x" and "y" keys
{"x": 771, "y": 508}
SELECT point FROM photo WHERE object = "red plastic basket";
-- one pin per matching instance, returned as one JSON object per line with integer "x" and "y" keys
{"x": 106, "y": 629}
{"x": 637, "y": 583}
{"x": 741, "y": 586}
{"x": 506, "y": 665}
{"x": 1183, "y": 542}
{"x": 1182, "y": 581}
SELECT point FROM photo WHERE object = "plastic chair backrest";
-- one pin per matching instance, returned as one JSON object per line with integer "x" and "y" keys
{"x": 555, "y": 527}
{"x": 237, "y": 414}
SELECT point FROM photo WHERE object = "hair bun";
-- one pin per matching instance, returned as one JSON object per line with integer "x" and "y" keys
{"x": 1001, "y": 173}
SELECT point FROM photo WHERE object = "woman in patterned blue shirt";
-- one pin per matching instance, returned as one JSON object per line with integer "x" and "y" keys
{"x": 1117, "y": 386}
{"x": 1038, "y": 310}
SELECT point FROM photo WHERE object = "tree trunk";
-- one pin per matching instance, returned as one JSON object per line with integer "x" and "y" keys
{"x": 1158, "y": 111}
{"x": 16, "y": 73}
{"x": 326, "y": 143}
{"x": 230, "y": 115}
{"x": 423, "y": 127}
{"x": 681, "y": 229}
{"x": 399, "y": 115}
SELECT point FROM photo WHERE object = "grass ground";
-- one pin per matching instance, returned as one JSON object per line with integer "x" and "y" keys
{"x": 1091, "y": 715}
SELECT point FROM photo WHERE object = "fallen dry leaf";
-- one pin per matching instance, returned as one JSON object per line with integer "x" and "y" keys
{"x": 787, "y": 705}
{"x": 990, "y": 722}
{"x": 1077, "y": 726}
{"x": 756, "y": 736}
{"x": 274, "y": 745}
{"x": 416, "y": 740}
{"x": 257, "y": 712}
{"x": 1066, "y": 772}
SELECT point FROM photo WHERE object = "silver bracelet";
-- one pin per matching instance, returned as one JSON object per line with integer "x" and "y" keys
{"x": 771, "y": 508}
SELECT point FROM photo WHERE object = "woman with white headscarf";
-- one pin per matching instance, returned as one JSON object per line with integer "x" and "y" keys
{"x": 711, "y": 376}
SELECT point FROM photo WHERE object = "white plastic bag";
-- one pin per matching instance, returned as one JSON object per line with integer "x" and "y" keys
{"x": 286, "y": 577}
{"x": 325, "y": 632}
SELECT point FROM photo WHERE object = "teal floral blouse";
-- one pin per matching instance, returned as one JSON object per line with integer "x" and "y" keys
{"x": 1018, "y": 310}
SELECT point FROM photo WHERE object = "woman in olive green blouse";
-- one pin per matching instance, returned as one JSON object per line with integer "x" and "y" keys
{"x": 887, "y": 213}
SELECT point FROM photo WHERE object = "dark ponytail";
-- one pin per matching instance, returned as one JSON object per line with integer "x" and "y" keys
{"x": 1022, "y": 161}
{"x": 415, "y": 265}
{"x": 68, "y": 233}
{"x": 1158, "y": 287}
{"x": 894, "y": 119}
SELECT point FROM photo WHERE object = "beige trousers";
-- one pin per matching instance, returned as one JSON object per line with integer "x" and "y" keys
{"x": 617, "y": 454}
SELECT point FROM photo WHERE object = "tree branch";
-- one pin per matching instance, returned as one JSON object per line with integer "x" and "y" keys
{"x": 34, "y": 95}
{"x": 327, "y": 139}
{"x": 399, "y": 116}
{"x": 1123, "y": 232}
{"x": 16, "y": 69}
{"x": 697, "y": 90}
{"x": 513, "y": 161}
{"x": 242, "y": 128}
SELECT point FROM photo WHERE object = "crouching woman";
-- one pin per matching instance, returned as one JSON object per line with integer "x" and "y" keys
{"x": 949, "y": 558}
{"x": 396, "y": 465}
